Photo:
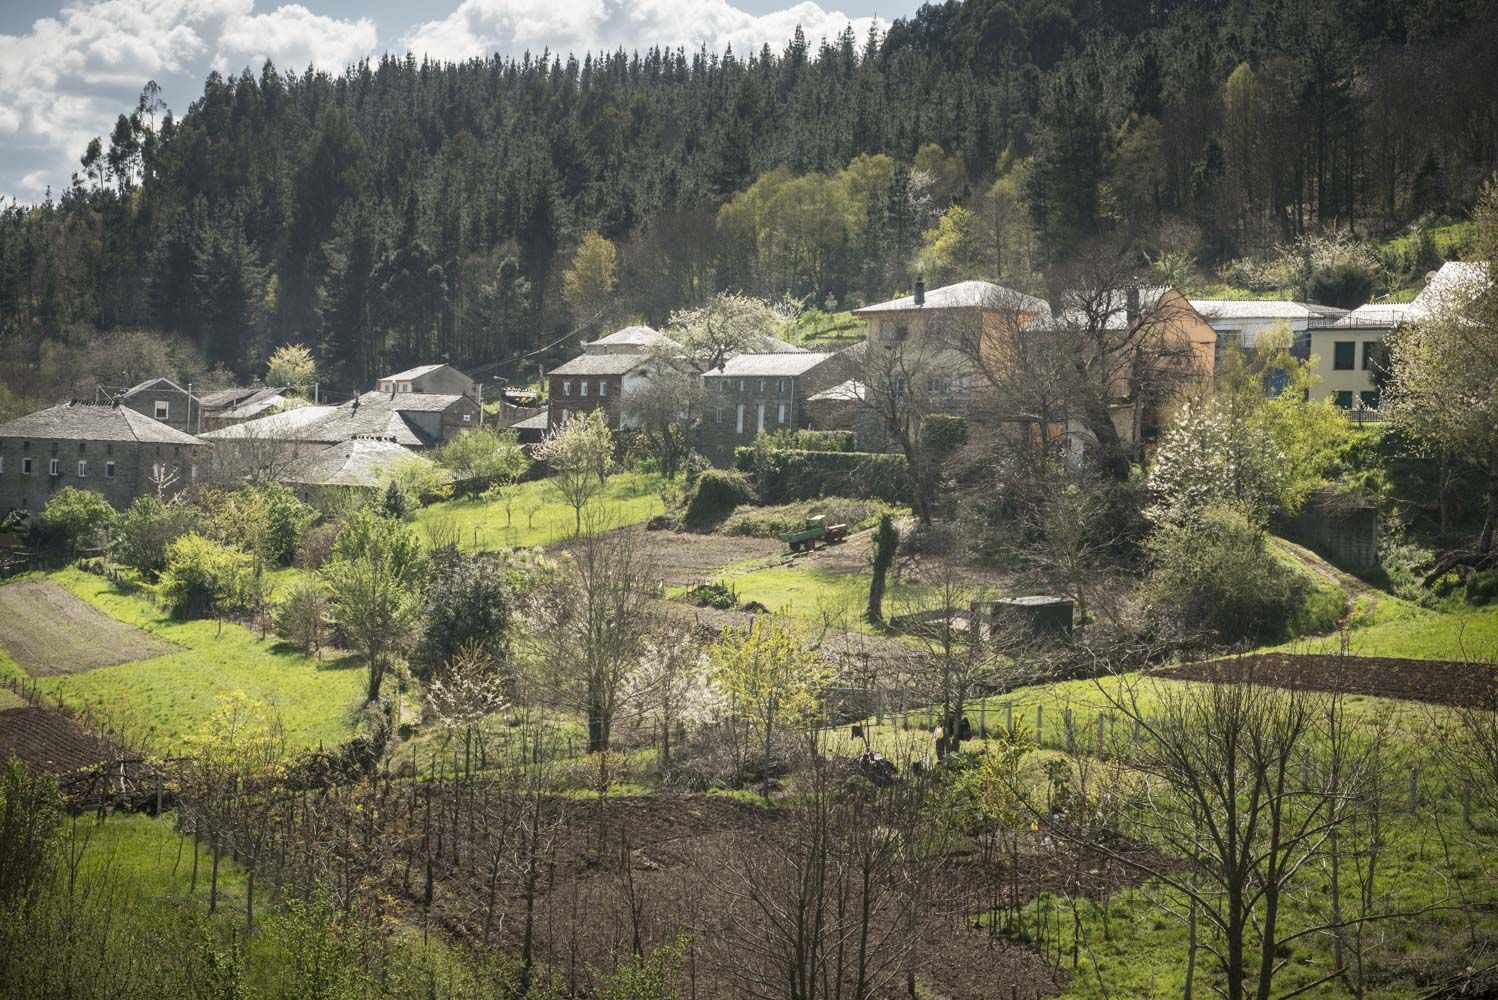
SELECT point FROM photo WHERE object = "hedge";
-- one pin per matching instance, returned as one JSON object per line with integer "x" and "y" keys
{"x": 808, "y": 440}
{"x": 714, "y": 496}
{"x": 784, "y": 475}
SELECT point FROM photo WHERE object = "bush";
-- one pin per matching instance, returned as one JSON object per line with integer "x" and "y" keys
{"x": 146, "y": 530}
{"x": 467, "y": 602}
{"x": 807, "y": 440}
{"x": 1215, "y": 571}
{"x": 203, "y": 579}
{"x": 317, "y": 545}
{"x": 74, "y": 519}
{"x": 786, "y": 475}
{"x": 1345, "y": 285}
{"x": 768, "y": 522}
{"x": 301, "y": 618}
{"x": 716, "y": 594}
{"x": 714, "y": 495}
{"x": 286, "y": 521}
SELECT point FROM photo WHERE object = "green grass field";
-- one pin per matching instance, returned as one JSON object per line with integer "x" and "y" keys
{"x": 538, "y": 516}
{"x": 167, "y": 696}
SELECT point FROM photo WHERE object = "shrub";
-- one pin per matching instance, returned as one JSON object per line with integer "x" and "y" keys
{"x": 74, "y": 519}
{"x": 716, "y": 594}
{"x": 317, "y": 545}
{"x": 286, "y": 522}
{"x": 785, "y": 475}
{"x": 1215, "y": 571}
{"x": 467, "y": 602}
{"x": 147, "y": 528}
{"x": 203, "y": 579}
{"x": 767, "y": 522}
{"x": 715, "y": 494}
{"x": 301, "y": 618}
{"x": 808, "y": 440}
{"x": 1345, "y": 285}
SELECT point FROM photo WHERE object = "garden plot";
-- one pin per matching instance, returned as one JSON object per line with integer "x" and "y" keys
{"x": 49, "y": 631}
{"x": 49, "y": 741}
{"x": 683, "y": 558}
{"x": 1438, "y": 682}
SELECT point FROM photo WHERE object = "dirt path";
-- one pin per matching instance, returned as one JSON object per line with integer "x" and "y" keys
{"x": 1362, "y": 598}
{"x": 50, "y": 631}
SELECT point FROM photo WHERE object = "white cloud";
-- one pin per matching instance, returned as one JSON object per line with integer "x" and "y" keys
{"x": 480, "y": 27}
{"x": 293, "y": 36}
{"x": 71, "y": 75}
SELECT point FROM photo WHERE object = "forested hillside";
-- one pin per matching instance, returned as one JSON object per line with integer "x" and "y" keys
{"x": 404, "y": 211}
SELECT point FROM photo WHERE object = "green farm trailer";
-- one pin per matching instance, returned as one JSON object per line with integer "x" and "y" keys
{"x": 817, "y": 530}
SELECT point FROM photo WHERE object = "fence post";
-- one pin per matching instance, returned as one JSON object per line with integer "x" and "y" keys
{"x": 1039, "y": 726}
{"x": 1009, "y": 717}
{"x": 1070, "y": 735}
{"x": 983, "y": 720}
{"x": 1101, "y": 734}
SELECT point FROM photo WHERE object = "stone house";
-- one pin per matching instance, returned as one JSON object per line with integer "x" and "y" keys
{"x": 594, "y": 382}
{"x": 165, "y": 401}
{"x": 631, "y": 340}
{"x": 410, "y": 419}
{"x": 440, "y": 379}
{"x": 752, "y": 393}
{"x": 112, "y": 449}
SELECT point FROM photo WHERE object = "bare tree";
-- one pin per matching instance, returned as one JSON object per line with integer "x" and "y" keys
{"x": 588, "y": 623}
{"x": 666, "y": 410}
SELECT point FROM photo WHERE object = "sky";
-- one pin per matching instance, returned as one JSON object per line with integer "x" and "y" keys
{"x": 68, "y": 68}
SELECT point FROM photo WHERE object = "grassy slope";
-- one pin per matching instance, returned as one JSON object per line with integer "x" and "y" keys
{"x": 169, "y": 695}
{"x": 629, "y": 498}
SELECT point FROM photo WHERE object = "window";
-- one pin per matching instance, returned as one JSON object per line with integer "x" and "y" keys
{"x": 2, "y": 465}
{"x": 740, "y": 428}
{"x": 108, "y": 470}
{"x": 566, "y": 388}
{"x": 761, "y": 385}
{"x": 25, "y": 466}
{"x": 1344, "y": 399}
{"x": 741, "y": 385}
{"x": 1369, "y": 399}
{"x": 780, "y": 386}
{"x": 603, "y": 388}
{"x": 583, "y": 388}
{"x": 468, "y": 418}
{"x": 54, "y": 467}
{"x": 82, "y": 470}
{"x": 405, "y": 387}
{"x": 1343, "y": 353}
{"x": 939, "y": 385}
{"x": 760, "y": 419}
{"x": 192, "y": 472}
{"x": 717, "y": 414}
{"x": 163, "y": 409}
{"x": 780, "y": 416}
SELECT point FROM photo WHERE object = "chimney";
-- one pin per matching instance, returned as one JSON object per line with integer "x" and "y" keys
{"x": 920, "y": 291}
{"x": 1131, "y": 304}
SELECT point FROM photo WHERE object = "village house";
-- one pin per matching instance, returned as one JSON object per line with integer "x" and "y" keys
{"x": 1350, "y": 351}
{"x": 438, "y": 379}
{"x": 592, "y": 382}
{"x": 410, "y": 419}
{"x": 755, "y": 393}
{"x": 357, "y": 464}
{"x": 109, "y": 448}
{"x": 235, "y": 405}
{"x": 166, "y": 402}
{"x": 1240, "y": 323}
{"x": 631, "y": 340}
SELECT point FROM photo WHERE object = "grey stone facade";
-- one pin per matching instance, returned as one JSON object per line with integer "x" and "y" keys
{"x": 166, "y": 402}
{"x": 754, "y": 393}
{"x": 110, "y": 449}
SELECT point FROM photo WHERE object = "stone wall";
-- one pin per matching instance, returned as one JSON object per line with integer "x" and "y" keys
{"x": 1347, "y": 538}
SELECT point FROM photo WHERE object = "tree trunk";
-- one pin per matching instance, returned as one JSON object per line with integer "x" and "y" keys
{"x": 1490, "y": 522}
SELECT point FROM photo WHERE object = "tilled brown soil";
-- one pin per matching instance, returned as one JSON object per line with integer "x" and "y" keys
{"x": 47, "y": 630}
{"x": 49, "y": 741}
{"x": 1438, "y": 682}
{"x": 683, "y": 558}
{"x": 655, "y": 865}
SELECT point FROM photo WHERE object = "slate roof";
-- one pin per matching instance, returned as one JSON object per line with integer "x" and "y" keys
{"x": 963, "y": 295}
{"x": 411, "y": 373}
{"x": 851, "y": 391}
{"x": 768, "y": 365}
{"x": 632, "y": 336}
{"x": 1116, "y": 306}
{"x": 253, "y": 405}
{"x": 1270, "y": 309}
{"x": 151, "y": 382}
{"x": 232, "y": 396}
{"x": 88, "y": 422}
{"x": 534, "y": 422}
{"x": 600, "y": 364}
{"x": 357, "y": 462}
{"x": 288, "y": 425}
